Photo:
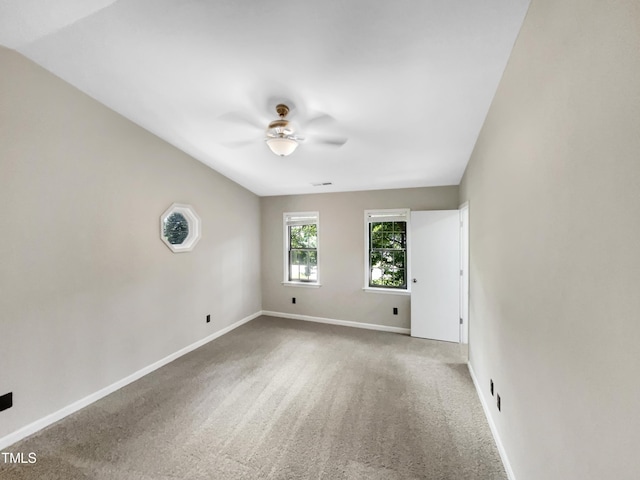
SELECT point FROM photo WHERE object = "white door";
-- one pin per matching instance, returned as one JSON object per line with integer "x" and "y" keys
{"x": 435, "y": 268}
{"x": 464, "y": 273}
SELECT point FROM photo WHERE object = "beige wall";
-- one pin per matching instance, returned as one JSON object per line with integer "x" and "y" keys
{"x": 554, "y": 190}
{"x": 341, "y": 253}
{"x": 89, "y": 292}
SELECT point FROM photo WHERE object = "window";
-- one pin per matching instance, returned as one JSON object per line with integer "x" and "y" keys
{"x": 386, "y": 234}
{"x": 180, "y": 228}
{"x": 301, "y": 247}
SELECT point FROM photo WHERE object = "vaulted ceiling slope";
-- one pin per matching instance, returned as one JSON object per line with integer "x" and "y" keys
{"x": 407, "y": 83}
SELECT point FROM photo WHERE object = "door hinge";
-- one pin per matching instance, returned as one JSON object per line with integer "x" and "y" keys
{"x": 461, "y": 272}
{"x": 460, "y": 321}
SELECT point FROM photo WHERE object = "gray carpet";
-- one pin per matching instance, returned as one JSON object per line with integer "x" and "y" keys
{"x": 281, "y": 399}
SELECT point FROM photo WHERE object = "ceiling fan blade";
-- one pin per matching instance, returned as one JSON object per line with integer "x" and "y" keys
{"x": 241, "y": 118}
{"x": 238, "y": 143}
{"x": 319, "y": 120}
{"x": 332, "y": 141}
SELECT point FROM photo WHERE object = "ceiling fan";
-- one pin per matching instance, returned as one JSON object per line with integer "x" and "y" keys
{"x": 281, "y": 136}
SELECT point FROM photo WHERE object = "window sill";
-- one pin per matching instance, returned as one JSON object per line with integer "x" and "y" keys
{"x": 386, "y": 291}
{"x": 301, "y": 284}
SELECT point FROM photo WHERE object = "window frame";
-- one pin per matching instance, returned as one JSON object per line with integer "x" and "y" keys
{"x": 305, "y": 218}
{"x": 389, "y": 214}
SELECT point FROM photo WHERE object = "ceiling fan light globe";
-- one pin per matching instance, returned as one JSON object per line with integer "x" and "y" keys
{"x": 282, "y": 146}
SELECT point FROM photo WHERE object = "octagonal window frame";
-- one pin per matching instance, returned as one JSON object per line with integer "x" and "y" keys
{"x": 193, "y": 221}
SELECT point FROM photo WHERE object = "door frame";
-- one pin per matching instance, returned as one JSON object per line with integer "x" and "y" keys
{"x": 464, "y": 272}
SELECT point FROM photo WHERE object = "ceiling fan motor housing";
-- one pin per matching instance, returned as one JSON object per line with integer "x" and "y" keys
{"x": 280, "y": 127}
{"x": 282, "y": 110}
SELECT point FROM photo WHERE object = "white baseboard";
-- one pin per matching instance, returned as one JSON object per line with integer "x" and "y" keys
{"x": 88, "y": 400}
{"x": 344, "y": 323}
{"x": 492, "y": 426}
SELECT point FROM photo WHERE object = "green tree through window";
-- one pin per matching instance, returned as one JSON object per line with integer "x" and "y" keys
{"x": 176, "y": 228}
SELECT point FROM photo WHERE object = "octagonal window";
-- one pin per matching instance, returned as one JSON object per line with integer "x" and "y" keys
{"x": 180, "y": 227}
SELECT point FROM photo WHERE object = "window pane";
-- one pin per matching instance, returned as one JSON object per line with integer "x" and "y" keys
{"x": 387, "y": 238}
{"x": 295, "y": 237}
{"x": 311, "y": 232}
{"x": 395, "y": 240}
{"x": 303, "y": 265}
{"x": 303, "y": 236}
{"x": 313, "y": 274}
{"x": 176, "y": 228}
{"x": 293, "y": 267}
{"x": 388, "y": 235}
{"x": 376, "y": 238}
{"x": 387, "y": 275}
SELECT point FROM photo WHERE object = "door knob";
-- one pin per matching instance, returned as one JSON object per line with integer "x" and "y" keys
{"x": 415, "y": 280}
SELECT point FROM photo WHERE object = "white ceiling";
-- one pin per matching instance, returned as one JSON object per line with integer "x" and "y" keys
{"x": 408, "y": 82}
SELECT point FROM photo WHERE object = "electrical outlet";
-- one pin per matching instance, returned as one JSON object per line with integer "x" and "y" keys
{"x": 498, "y": 403}
{"x": 208, "y": 318}
{"x": 492, "y": 388}
{"x": 395, "y": 310}
{"x": 293, "y": 300}
{"x": 6, "y": 401}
